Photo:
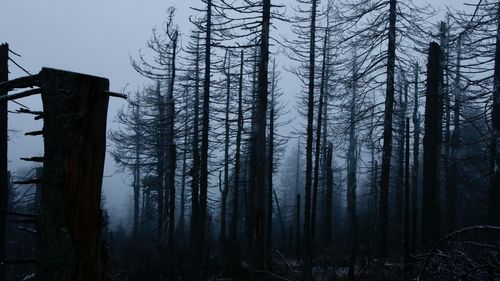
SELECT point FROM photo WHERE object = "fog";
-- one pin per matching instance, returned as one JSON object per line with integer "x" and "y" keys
{"x": 94, "y": 37}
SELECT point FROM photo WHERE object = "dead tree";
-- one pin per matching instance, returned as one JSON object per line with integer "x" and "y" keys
{"x": 494, "y": 197}
{"x": 328, "y": 198}
{"x": 170, "y": 143}
{"x": 270, "y": 167}
{"x": 225, "y": 191}
{"x": 407, "y": 195}
{"x": 431, "y": 210}
{"x": 387, "y": 146}
{"x": 319, "y": 127}
{"x": 237, "y": 164}
{"x": 309, "y": 141}
{"x": 4, "y": 196}
{"x": 205, "y": 127}
{"x": 260, "y": 138}
{"x": 415, "y": 168}
{"x": 69, "y": 243}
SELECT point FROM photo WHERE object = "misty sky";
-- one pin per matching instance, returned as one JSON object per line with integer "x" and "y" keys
{"x": 95, "y": 37}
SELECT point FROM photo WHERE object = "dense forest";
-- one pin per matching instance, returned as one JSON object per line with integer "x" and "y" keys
{"x": 384, "y": 167}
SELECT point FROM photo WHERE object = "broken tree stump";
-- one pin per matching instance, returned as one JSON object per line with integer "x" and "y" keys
{"x": 69, "y": 245}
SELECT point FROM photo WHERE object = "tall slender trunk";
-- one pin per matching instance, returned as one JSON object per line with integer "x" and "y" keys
{"x": 494, "y": 196}
{"x": 328, "y": 198}
{"x": 387, "y": 146}
{"x": 407, "y": 195}
{"x": 137, "y": 167}
{"x": 225, "y": 191}
{"x": 182, "y": 212}
{"x": 455, "y": 143}
{"x": 318, "y": 139}
{"x": 449, "y": 212}
{"x": 298, "y": 251}
{"x": 297, "y": 167}
{"x": 252, "y": 163}
{"x": 171, "y": 147}
{"x": 309, "y": 143}
{"x": 260, "y": 138}
{"x": 351, "y": 179}
{"x": 160, "y": 165}
{"x": 403, "y": 101}
{"x": 270, "y": 170}
{"x": 431, "y": 213}
{"x": 373, "y": 176}
{"x": 234, "y": 218}
{"x": 415, "y": 168}
{"x": 195, "y": 171}
{"x": 4, "y": 189}
{"x": 201, "y": 251}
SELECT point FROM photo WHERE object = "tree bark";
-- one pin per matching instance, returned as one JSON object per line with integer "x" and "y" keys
{"x": 328, "y": 198}
{"x": 415, "y": 168}
{"x": 195, "y": 170}
{"x": 69, "y": 245}
{"x": 494, "y": 196}
{"x": 270, "y": 171}
{"x": 4, "y": 187}
{"x": 297, "y": 227}
{"x": 309, "y": 144}
{"x": 455, "y": 143}
{"x": 234, "y": 218}
{"x": 351, "y": 179}
{"x": 387, "y": 146}
{"x": 225, "y": 191}
{"x": 407, "y": 195}
{"x": 260, "y": 139}
{"x": 318, "y": 140}
{"x": 181, "y": 228}
{"x": 201, "y": 251}
{"x": 431, "y": 213}
{"x": 137, "y": 169}
{"x": 160, "y": 165}
{"x": 171, "y": 147}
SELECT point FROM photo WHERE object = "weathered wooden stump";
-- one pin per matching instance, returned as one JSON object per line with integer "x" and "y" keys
{"x": 69, "y": 243}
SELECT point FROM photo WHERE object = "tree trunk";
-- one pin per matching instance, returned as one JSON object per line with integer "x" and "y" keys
{"x": 181, "y": 228}
{"x": 137, "y": 169}
{"x": 4, "y": 196}
{"x": 160, "y": 165}
{"x": 260, "y": 139}
{"x": 270, "y": 170}
{"x": 415, "y": 168}
{"x": 455, "y": 143}
{"x": 195, "y": 170}
{"x": 309, "y": 144}
{"x": 69, "y": 242}
{"x": 494, "y": 196}
{"x": 449, "y": 204}
{"x": 234, "y": 218}
{"x": 225, "y": 191}
{"x": 171, "y": 147}
{"x": 431, "y": 213}
{"x": 297, "y": 227}
{"x": 387, "y": 146}
{"x": 402, "y": 104}
{"x": 318, "y": 140}
{"x": 407, "y": 195}
{"x": 201, "y": 251}
{"x": 351, "y": 180}
{"x": 328, "y": 198}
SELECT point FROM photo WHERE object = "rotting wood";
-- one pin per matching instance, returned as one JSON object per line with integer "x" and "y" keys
{"x": 69, "y": 245}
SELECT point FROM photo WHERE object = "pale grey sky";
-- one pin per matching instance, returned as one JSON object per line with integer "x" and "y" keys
{"x": 94, "y": 37}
